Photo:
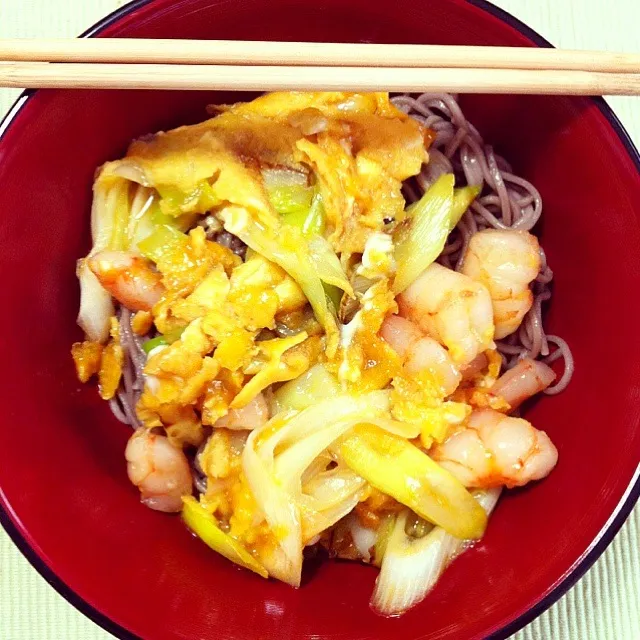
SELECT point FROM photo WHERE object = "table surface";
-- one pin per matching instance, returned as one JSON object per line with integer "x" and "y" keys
{"x": 605, "y": 604}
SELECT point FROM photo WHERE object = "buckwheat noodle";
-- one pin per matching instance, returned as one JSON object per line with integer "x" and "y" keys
{"x": 124, "y": 403}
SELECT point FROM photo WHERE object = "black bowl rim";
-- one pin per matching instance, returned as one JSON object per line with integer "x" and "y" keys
{"x": 597, "y": 547}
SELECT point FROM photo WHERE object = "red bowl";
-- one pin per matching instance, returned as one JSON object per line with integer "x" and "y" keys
{"x": 65, "y": 497}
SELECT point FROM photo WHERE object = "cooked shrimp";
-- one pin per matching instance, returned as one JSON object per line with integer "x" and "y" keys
{"x": 251, "y": 416}
{"x": 505, "y": 262}
{"x": 527, "y": 378}
{"x": 160, "y": 470}
{"x": 451, "y": 308}
{"x": 130, "y": 279}
{"x": 419, "y": 352}
{"x": 494, "y": 450}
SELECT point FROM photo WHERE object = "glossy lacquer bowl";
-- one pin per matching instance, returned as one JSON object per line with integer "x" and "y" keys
{"x": 65, "y": 498}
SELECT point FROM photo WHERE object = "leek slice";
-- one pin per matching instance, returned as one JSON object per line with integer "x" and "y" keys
{"x": 299, "y": 206}
{"x": 398, "y": 468}
{"x": 291, "y": 199}
{"x": 163, "y": 238}
{"x": 421, "y": 237}
{"x": 109, "y": 230}
{"x": 327, "y": 264}
{"x": 204, "y": 525}
{"x": 312, "y": 386}
{"x": 462, "y": 199}
{"x": 287, "y": 248}
{"x": 315, "y": 221}
{"x": 96, "y": 305}
{"x": 411, "y": 566}
{"x": 174, "y": 202}
{"x": 274, "y": 460}
{"x": 162, "y": 340}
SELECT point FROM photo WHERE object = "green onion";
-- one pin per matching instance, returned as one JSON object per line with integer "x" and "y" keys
{"x": 206, "y": 527}
{"x": 311, "y": 387}
{"x": 384, "y": 532}
{"x": 328, "y": 267}
{"x": 208, "y": 198}
{"x": 173, "y": 199}
{"x": 421, "y": 237}
{"x": 462, "y": 199}
{"x": 314, "y": 223}
{"x": 411, "y": 565}
{"x": 159, "y": 341}
{"x": 157, "y": 243}
{"x": 334, "y": 294}
{"x": 181, "y": 223}
{"x": 175, "y": 202}
{"x": 291, "y": 200}
{"x": 121, "y": 213}
{"x": 286, "y": 247}
{"x": 396, "y": 467}
{"x": 299, "y": 206}
{"x": 150, "y": 345}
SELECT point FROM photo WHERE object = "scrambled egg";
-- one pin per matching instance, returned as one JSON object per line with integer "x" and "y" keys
{"x": 420, "y": 400}
{"x": 365, "y": 361}
{"x": 217, "y": 362}
{"x": 91, "y": 358}
{"x": 354, "y": 150}
{"x": 358, "y": 148}
{"x": 377, "y": 259}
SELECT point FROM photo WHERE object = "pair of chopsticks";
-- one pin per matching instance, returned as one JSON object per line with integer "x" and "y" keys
{"x": 113, "y": 63}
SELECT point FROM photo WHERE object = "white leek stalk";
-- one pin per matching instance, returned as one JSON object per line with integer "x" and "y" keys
{"x": 274, "y": 460}
{"x": 412, "y": 566}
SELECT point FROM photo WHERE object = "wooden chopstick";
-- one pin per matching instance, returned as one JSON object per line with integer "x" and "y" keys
{"x": 112, "y": 63}
{"x": 254, "y": 53}
{"x": 277, "y": 78}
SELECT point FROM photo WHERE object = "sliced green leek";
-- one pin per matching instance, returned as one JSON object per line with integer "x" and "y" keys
{"x": 412, "y": 565}
{"x": 398, "y": 468}
{"x": 306, "y": 213}
{"x": 175, "y": 202}
{"x": 384, "y": 533}
{"x": 327, "y": 265}
{"x": 291, "y": 199}
{"x": 182, "y": 223}
{"x": 316, "y": 221}
{"x": 204, "y": 525}
{"x": 164, "y": 237}
{"x": 162, "y": 340}
{"x": 286, "y": 247}
{"x": 313, "y": 386}
{"x": 462, "y": 199}
{"x": 154, "y": 343}
{"x": 334, "y": 295}
{"x": 121, "y": 213}
{"x": 421, "y": 237}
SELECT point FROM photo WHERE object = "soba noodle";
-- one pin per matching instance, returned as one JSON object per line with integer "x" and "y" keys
{"x": 124, "y": 403}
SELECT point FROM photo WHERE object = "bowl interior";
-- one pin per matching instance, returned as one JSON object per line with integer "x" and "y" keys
{"x": 62, "y": 473}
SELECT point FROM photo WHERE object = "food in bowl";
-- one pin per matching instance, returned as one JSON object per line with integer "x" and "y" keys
{"x": 318, "y": 311}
